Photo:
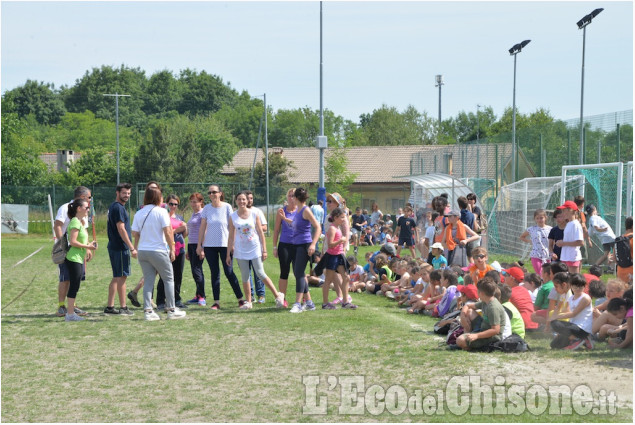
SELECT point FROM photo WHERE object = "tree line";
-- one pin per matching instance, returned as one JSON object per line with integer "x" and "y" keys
{"x": 185, "y": 126}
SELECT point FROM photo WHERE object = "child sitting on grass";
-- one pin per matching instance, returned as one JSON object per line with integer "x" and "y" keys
{"x": 356, "y": 274}
{"x": 515, "y": 319}
{"x": 495, "y": 324}
{"x": 625, "y": 337}
{"x": 400, "y": 268}
{"x": 617, "y": 307}
{"x": 574, "y": 333}
{"x": 384, "y": 274}
{"x": 559, "y": 269}
{"x": 480, "y": 267}
{"x": 614, "y": 289}
{"x": 421, "y": 279}
{"x": 532, "y": 284}
{"x": 447, "y": 303}
{"x": 433, "y": 289}
{"x": 438, "y": 260}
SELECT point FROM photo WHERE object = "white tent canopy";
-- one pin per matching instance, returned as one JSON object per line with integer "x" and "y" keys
{"x": 427, "y": 186}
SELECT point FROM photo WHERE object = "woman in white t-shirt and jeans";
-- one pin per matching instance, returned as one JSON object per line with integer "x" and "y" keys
{"x": 212, "y": 243}
{"x": 573, "y": 237}
{"x": 247, "y": 243}
{"x": 154, "y": 243}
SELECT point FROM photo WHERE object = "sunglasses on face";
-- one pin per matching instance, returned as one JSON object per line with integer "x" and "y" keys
{"x": 481, "y": 256}
{"x": 173, "y": 204}
{"x": 213, "y": 192}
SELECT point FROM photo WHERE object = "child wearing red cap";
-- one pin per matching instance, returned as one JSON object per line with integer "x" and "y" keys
{"x": 520, "y": 298}
{"x": 573, "y": 237}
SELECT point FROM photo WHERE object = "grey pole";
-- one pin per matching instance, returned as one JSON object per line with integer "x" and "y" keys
{"x": 581, "y": 158}
{"x": 514, "y": 178}
{"x": 266, "y": 157}
{"x": 117, "y": 96}
{"x": 439, "y": 80}
{"x": 582, "y": 24}
{"x": 516, "y": 48}
{"x": 321, "y": 176}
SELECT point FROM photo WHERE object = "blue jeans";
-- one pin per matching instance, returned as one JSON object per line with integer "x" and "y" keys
{"x": 255, "y": 281}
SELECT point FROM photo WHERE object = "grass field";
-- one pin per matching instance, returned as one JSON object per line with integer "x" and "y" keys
{"x": 260, "y": 365}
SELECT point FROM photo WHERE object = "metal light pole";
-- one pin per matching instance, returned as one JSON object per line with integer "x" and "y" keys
{"x": 321, "y": 142}
{"x": 266, "y": 156}
{"x": 117, "y": 96}
{"x": 582, "y": 24}
{"x": 478, "y": 123}
{"x": 517, "y": 48}
{"x": 439, "y": 80}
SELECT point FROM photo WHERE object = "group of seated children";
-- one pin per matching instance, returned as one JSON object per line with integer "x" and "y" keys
{"x": 481, "y": 305}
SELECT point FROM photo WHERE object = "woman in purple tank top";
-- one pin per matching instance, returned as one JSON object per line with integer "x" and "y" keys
{"x": 304, "y": 244}
{"x": 284, "y": 250}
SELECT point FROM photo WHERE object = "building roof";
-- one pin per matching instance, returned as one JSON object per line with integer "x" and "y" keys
{"x": 390, "y": 164}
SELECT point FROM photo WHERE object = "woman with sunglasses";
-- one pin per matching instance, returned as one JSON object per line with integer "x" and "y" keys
{"x": 179, "y": 229}
{"x": 212, "y": 243}
{"x": 74, "y": 261}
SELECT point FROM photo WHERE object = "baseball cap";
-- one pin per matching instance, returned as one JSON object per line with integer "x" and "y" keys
{"x": 390, "y": 248}
{"x": 437, "y": 245}
{"x": 568, "y": 204}
{"x": 469, "y": 291}
{"x": 453, "y": 213}
{"x": 515, "y": 272}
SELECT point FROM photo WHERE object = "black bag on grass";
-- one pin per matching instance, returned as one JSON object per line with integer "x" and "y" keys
{"x": 512, "y": 344}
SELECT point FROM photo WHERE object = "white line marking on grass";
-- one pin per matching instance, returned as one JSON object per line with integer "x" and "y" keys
{"x": 24, "y": 259}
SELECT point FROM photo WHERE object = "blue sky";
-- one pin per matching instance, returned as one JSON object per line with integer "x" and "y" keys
{"x": 374, "y": 52}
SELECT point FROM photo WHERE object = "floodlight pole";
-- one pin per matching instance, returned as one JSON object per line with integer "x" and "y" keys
{"x": 582, "y": 24}
{"x": 321, "y": 142}
{"x": 117, "y": 96}
{"x": 266, "y": 156}
{"x": 439, "y": 82}
{"x": 517, "y": 48}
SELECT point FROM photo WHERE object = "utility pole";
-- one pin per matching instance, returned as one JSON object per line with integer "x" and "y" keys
{"x": 117, "y": 96}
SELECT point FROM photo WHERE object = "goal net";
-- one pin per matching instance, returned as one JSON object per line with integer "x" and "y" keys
{"x": 513, "y": 212}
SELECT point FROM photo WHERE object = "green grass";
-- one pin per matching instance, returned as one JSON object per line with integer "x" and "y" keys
{"x": 237, "y": 366}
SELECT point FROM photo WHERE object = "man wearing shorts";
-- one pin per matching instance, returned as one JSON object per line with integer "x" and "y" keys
{"x": 407, "y": 231}
{"x": 61, "y": 223}
{"x": 120, "y": 248}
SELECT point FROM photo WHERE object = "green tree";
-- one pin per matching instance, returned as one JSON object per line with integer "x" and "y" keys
{"x": 20, "y": 162}
{"x": 337, "y": 175}
{"x": 203, "y": 93}
{"x": 163, "y": 94}
{"x": 244, "y": 118}
{"x": 39, "y": 99}
{"x": 88, "y": 94}
{"x": 387, "y": 126}
{"x": 182, "y": 149}
{"x": 279, "y": 170}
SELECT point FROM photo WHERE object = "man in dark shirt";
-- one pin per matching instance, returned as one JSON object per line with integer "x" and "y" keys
{"x": 120, "y": 249}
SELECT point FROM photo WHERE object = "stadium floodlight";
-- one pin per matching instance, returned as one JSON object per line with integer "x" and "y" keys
{"x": 516, "y": 48}
{"x": 439, "y": 82}
{"x": 582, "y": 24}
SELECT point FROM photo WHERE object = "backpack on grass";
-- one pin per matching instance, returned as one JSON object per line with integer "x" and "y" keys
{"x": 623, "y": 251}
{"x": 512, "y": 344}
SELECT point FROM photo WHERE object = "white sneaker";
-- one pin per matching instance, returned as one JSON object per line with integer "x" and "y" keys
{"x": 246, "y": 306}
{"x": 280, "y": 300}
{"x": 151, "y": 316}
{"x": 297, "y": 308}
{"x": 177, "y": 313}
{"x": 390, "y": 295}
{"x": 73, "y": 317}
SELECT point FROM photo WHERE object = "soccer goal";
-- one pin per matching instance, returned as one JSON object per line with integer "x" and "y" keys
{"x": 513, "y": 211}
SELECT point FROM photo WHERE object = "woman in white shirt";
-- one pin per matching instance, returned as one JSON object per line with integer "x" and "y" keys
{"x": 212, "y": 243}
{"x": 154, "y": 243}
{"x": 247, "y": 243}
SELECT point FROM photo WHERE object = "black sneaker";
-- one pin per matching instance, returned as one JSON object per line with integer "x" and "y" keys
{"x": 132, "y": 296}
{"x": 111, "y": 310}
{"x": 180, "y": 305}
{"x": 125, "y": 311}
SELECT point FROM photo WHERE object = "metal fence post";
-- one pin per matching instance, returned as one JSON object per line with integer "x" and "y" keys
{"x": 617, "y": 137}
